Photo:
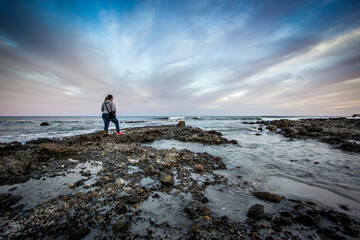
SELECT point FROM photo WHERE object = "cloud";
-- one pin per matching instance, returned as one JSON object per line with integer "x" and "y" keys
{"x": 162, "y": 57}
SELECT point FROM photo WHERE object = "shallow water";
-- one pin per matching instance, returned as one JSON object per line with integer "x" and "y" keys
{"x": 35, "y": 192}
{"x": 300, "y": 169}
{"x": 303, "y": 169}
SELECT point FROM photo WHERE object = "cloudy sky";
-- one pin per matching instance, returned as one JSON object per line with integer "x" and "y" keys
{"x": 180, "y": 57}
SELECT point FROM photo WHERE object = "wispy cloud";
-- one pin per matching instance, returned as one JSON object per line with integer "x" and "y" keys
{"x": 183, "y": 57}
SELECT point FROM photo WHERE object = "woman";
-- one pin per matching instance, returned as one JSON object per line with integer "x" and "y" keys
{"x": 107, "y": 107}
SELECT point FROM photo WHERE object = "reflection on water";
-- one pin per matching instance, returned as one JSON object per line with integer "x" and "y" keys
{"x": 302, "y": 169}
{"x": 34, "y": 192}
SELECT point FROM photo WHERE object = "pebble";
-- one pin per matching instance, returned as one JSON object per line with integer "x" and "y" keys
{"x": 198, "y": 167}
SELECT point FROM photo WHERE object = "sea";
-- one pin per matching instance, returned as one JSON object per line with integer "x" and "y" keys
{"x": 264, "y": 161}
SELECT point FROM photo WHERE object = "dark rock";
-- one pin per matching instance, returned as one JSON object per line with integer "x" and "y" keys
{"x": 79, "y": 233}
{"x": 306, "y": 220}
{"x": 205, "y": 211}
{"x": 12, "y": 189}
{"x": 268, "y": 196}
{"x": 7, "y": 200}
{"x": 121, "y": 209}
{"x": 191, "y": 213}
{"x": 133, "y": 200}
{"x": 272, "y": 128}
{"x": 120, "y": 226}
{"x": 194, "y": 228}
{"x": 351, "y": 231}
{"x": 156, "y": 195}
{"x": 181, "y": 124}
{"x": 204, "y": 200}
{"x": 256, "y": 212}
{"x": 44, "y": 124}
{"x": 283, "y": 221}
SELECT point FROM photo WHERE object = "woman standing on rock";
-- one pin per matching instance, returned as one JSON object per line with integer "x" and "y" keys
{"x": 108, "y": 109}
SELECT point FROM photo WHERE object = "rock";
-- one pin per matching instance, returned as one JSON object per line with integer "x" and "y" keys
{"x": 272, "y": 128}
{"x": 166, "y": 179}
{"x": 181, "y": 124}
{"x": 128, "y": 190}
{"x": 120, "y": 226}
{"x": 306, "y": 220}
{"x": 106, "y": 178}
{"x": 120, "y": 181}
{"x": 121, "y": 209}
{"x": 194, "y": 228}
{"x": 191, "y": 213}
{"x": 61, "y": 206}
{"x": 272, "y": 197}
{"x": 72, "y": 186}
{"x": 79, "y": 233}
{"x": 44, "y": 124}
{"x": 351, "y": 231}
{"x": 12, "y": 189}
{"x": 133, "y": 200}
{"x": 198, "y": 167}
{"x": 203, "y": 210}
{"x": 280, "y": 220}
{"x": 156, "y": 195}
{"x": 205, "y": 200}
{"x": 256, "y": 212}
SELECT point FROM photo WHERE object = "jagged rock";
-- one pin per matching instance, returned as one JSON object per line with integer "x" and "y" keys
{"x": 44, "y": 124}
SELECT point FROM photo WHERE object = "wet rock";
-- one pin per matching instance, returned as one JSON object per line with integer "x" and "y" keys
{"x": 272, "y": 128}
{"x": 256, "y": 212}
{"x": 106, "y": 178}
{"x": 120, "y": 226}
{"x": 191, "y": 213}
{"x": 133, "y": 200}
{"x": 306, "y": 220}
{"x": 181, "y": 124}
{"x": 166, "y": 179}
{"x": 201, "y": 209}
{"x": 351, "y": 231}
{"x": 283, "y": 221}
{"x": 195, "y": 228}
{"x": 204, "y": 200}
{"x": 268, "y": 196}
{"x": 12, "y": 189}
{"x": 121, "y": 209}
{"x": 79, "y": 233}
{"x": 156, "y": 195}
{"x": 72, "y": 186}
{"x": 198, "y": 167}
{"x": 7, "y": 200}
{"x": 44, "y": 124}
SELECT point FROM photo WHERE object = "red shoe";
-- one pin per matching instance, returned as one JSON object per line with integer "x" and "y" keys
{"x": 119, "y": 133}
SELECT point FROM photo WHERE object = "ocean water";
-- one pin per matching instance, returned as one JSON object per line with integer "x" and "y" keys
{"x": 300, "y": 169}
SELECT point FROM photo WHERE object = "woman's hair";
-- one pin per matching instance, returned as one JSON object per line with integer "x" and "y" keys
{"x": 108, "y": 97}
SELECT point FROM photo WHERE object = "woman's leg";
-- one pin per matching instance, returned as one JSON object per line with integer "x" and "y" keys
{"x": 116, "y": 122}
{"x": 105, "y": 117}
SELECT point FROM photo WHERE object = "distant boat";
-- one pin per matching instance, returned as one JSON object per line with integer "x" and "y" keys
{"x": 177, "y": 118}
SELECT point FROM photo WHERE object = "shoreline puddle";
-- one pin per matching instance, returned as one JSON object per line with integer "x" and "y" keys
{"x": 35, "y": 192}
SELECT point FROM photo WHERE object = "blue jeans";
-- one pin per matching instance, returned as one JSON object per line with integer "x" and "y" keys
{"x": 105, "y": 117}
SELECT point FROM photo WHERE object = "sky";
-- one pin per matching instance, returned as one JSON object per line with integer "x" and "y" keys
{"x": 164, "y": 58}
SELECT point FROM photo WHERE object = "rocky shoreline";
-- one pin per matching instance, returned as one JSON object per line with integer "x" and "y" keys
{"x": 341, "y": 133}
{"x": 139, "y": 191}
